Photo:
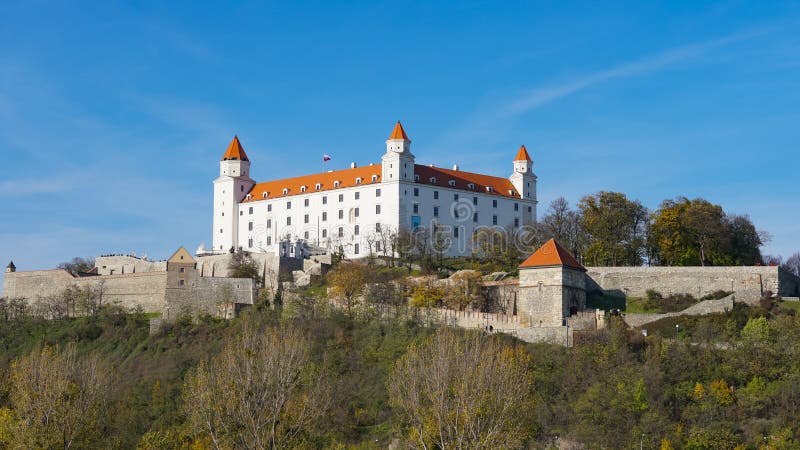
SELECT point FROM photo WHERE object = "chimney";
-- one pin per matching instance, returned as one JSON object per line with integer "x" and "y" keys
{"x": 455, "y": 167}
{"x": 353, "y": 165}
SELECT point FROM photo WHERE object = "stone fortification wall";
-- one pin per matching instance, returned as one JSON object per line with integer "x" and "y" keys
{"x": 546, "y": 295}
{"x": 214, "y": 296}
{"x": 748, "y": 283}
{"x": 270, "y": 264}
{"x": 129, "y": 290}
{"x": 125, "y": 264}
{"x": 701, "y": 309}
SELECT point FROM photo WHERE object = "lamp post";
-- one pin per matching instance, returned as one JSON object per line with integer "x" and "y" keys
{"x": 641, "y": 441}
{"x": 677, "y": 328}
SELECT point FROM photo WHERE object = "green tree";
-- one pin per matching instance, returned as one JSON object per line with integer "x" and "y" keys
{"x": 616, "y": 229}
{"x": 242, "y": 265}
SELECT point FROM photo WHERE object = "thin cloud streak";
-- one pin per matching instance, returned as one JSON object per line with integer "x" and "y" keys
{"x": 541, "y": 96}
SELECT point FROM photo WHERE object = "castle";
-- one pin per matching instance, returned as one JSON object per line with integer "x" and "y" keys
{"x": 354, "y": 211}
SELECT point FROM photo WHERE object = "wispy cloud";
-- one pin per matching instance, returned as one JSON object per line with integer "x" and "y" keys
{"x": 539, "y": 96}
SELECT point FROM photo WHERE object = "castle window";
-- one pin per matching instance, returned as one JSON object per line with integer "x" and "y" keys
{"x": 264, "y": 195}
{"x": 378, "y": 192}
{"x": 269, "y": 223}
{"x": 241, "y": 188}
{"x": 324, "y": 233}
{"x": 529, "y": 209}
{"x": 288, "y": 205}
{"x": 416, "y": 208}
{"x": 494, "y": 220}
{"x": 288, "y": 221}
{"x": 324, "y": 216}
{"x": 249, "y": 226}
{"x": 285, "y": 191}
{"x": 511, "y": 192}
{"x": 341, "y": 214}
{"x": 452, "y": 183}
{"x": 223, "y": 214}
{"x": 305, "y": 235}
{"x": 475, "y": 201}
{"x": 355, "y": 212}
{"x": 336, "y": 184}
{"x": 182, "y": 270}
{"x": 374, "y": 178}
{"x": 378, "y": 227}
{"x": 241, "y": 213}
{"x": 305, "y": 203}
{"x": 269, "y": 208}
{"x": 516, "y": 221}
{"x": 358, "y": 180}
{"x": 269, "y": 240}
{"x": 355, "y": 249}
{"x": 248, "y": 196}
{"x": 305, "y": 218}
{"x": 432, "y": 180}
{"x": 377, "y": 246}
{"x": 220, "y": 231}
{"x": 416, "y": 177}
{"x": 471, "y": 186}
{"x": 416, "y": 192}
{"x": 250, "y": 210}
{"x": 250, "y": 243}
{"x": 455, "y": 197}
{"x": 355, "y": 230}
{"x": 377, "y": 209}
{"x": 302, "y": 188}
{"x": 341, "y": 198}
{"x": 341, "y": 232}
{"x": 318, "y": 186}
{"x": 475, "y": 217}
{"x": 516, "y": 206}
{"x": 455, "y": 232}
{"x": 358, "y": 195}
{"x": 435, "y": 211}
{"x": 489, "y": 189}
{"x": 325, "y": 200}
{"x": 436, "y": 195}
{"x": 182, "y": 282}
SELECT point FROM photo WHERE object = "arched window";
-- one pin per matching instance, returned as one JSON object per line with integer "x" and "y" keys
{"x": 336, "y": 184}
{"x": 358, "y": 180}
{"x": 471, "y": 186}
{"x": 432, "y": 180}
{"x": 452, "y": 183}
{"x": 285, "y": 191}
{"x": 302, "y": 188}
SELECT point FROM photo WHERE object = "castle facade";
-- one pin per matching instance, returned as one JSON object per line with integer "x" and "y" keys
{"x": 355, "y": 211}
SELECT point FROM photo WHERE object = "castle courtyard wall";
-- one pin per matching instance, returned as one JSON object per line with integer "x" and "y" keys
{"x": 748, "y": 283}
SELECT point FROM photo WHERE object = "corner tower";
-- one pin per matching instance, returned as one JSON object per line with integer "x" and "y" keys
{"x": 230, "y": 188}
{"x": 398, "y": 162}
{"x": 523, "y": 178}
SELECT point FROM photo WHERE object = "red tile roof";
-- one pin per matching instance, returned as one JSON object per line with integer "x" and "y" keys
{"x": 552, "y": 254}
{"x": 522, "y": 155}
{"x": 327, "y": 180}
{"x": 499, "y": 186}
{"x": 348, "y": 177}
{"x": 399, "y": 132}
{"x": 235, "y": 151}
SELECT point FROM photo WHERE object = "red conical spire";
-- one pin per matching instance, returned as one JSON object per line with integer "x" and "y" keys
{"x": 399, "y": 132}
{"x": 235, "y": 151}
{"x": 522, "y": 155}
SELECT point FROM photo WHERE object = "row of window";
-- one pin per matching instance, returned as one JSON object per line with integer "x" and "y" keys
{"x": 307, "y": 202}
{"x": 474, "y": 199}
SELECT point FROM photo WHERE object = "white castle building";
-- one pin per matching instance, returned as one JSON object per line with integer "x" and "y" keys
{"x": 357, "y": 210}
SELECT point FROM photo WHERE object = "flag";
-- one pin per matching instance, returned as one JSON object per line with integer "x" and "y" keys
{"x": 326, "y": 158}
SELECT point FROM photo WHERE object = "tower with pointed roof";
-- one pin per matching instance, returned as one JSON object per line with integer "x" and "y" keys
{"x": 524, "y": 180}
{"x": 230, "y": 189}
{"x": 11, "y": 267}
{"x": 552, "y": 286}
{"x": 398, "y": 162}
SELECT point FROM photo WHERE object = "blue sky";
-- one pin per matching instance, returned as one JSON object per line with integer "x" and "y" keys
{"x": 113, "y": 115}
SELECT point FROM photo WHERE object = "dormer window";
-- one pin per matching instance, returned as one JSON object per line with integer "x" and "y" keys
{"x": 318, "y": 186}
{"x": 511, "y": 192}
{"x": 336, "y": 184}
{"x": 302, "y": 188}
{"x": 249, "y": 196}
{"x": 452, "y": 183}
{"x": 285, "y": 191}
{"x": 432, "y": 180}
{"x": 374, "y": 178}
{"x": 358, "y": 180}
{"x": 416, "y": 177}
{"x": 489, "y": 189}
{"x": 264, "y": 195}
{"x": 471, "y": 186}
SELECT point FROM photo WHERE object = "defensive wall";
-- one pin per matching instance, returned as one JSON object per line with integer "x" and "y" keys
{"x": 703, "y": 308}
{"x": 748, "y": 283}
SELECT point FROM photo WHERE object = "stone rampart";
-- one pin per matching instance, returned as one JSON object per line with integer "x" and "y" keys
{"x": 748, "y": 283}
{"x": 126, "y": 264}
{"x": 701, "y": 309}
